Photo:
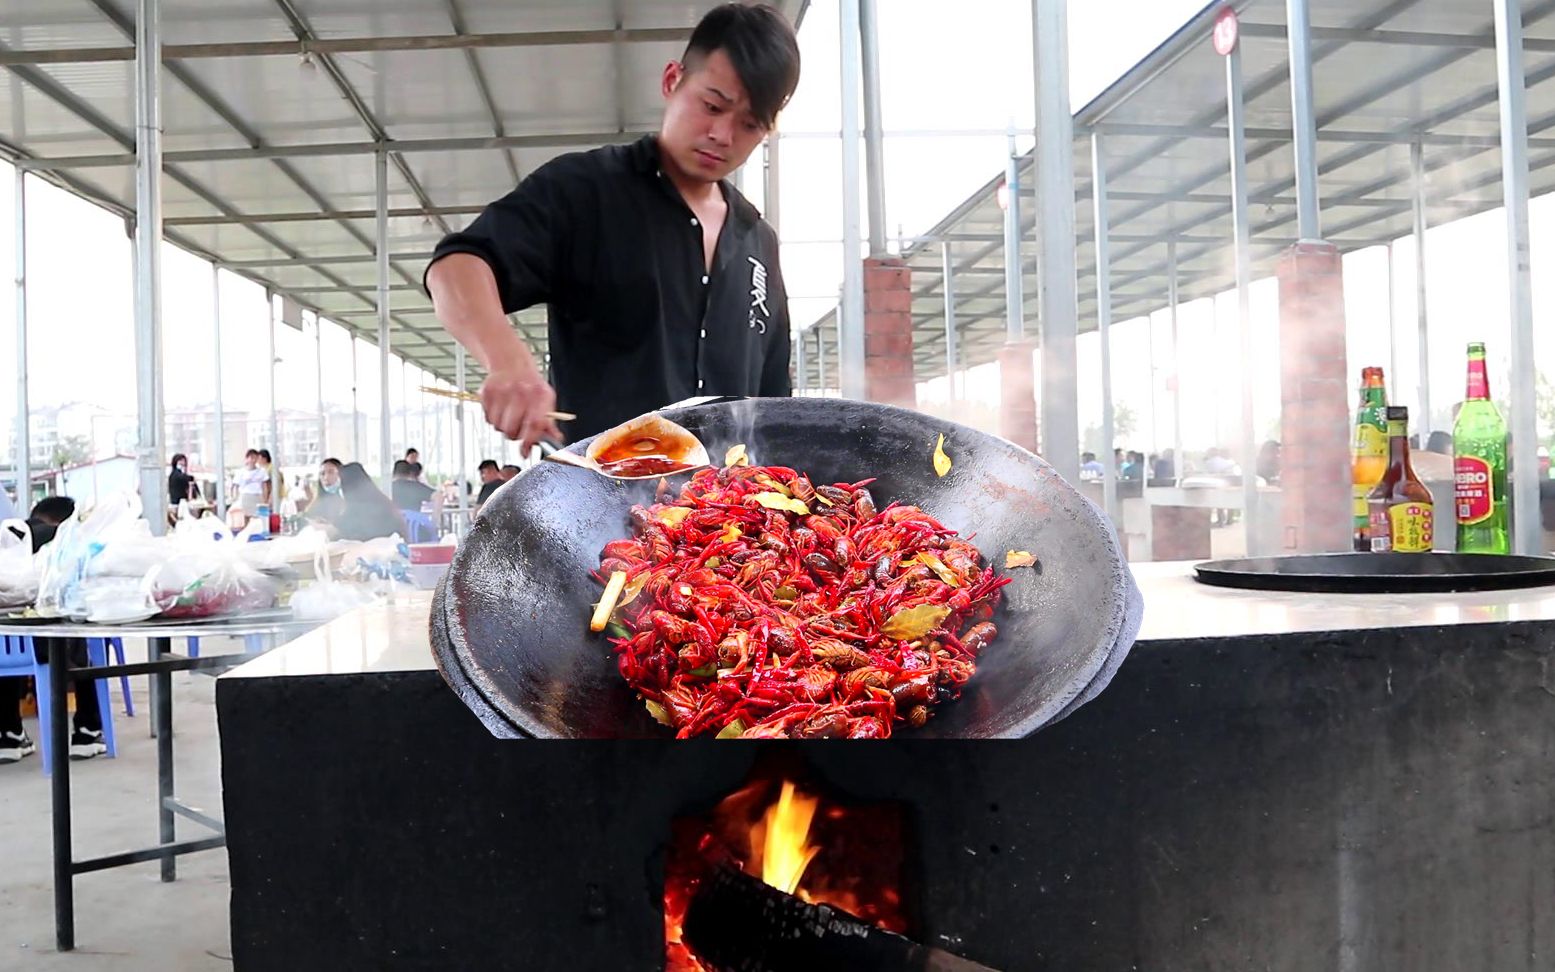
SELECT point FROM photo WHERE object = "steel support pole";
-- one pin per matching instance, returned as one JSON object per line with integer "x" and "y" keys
{"x": 464, "y": 499}
{"x": 1303, "y": 118}
{"x": 1422, "y": 315}
{"x": 1109, "y": 476}
{"x": 1421, "y": 423}
{"x": 1171, "y": 306}
{"x": 801, "y": 366}
{"x": 820, "y": 360}
{"x": 381, "y": 238}
{"x": 1236, "y": 121}
{"x": 356, "y": 414}
{"x": 318, "y": 380}
{"x": 1014, "y": 295}
{"x": 1059, "y": 419}
{"x": 275, "y": 423}
{"x": 1524, "y": 463}
{"x": 23, "y": 427}
{"x": 148, "y": 264}
{"x": 850, "y": 317}
{"x": 947, "y": 268}
{"x": 874, "y": 143}
{"x": 773, "y": 190}
{"x": 220, "y": 406}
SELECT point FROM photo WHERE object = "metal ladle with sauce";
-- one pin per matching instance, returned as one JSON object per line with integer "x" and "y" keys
{"x": 644, "y": 448}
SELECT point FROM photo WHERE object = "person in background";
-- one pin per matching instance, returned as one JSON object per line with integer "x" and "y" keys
{"x": 509, "y": 471}
{"x": 491, "y": 478}
{"x": 180, "y": 485}
{"x": 1434, "y": 463}
{"x": 413, "y": 456}
{"x": 276, "y": 478}
{"x": 368, "y": 513}
{"x": 1268, "y": 467}
{"x": 252, "y": 486}
{"x": 407, "y": 492}
{"x": 1166, "y": 466}
{"x": 1133, "y": 466}
{"x": 1090, "y": 468}
{"x": 329, "y": 503}
{"x": 86, "y": 737}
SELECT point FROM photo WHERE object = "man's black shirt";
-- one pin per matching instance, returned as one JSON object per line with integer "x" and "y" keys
{"x": 636, "y": 323}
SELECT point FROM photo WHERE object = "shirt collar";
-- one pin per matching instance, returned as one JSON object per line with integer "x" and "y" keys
{"x": 645, "y": 159}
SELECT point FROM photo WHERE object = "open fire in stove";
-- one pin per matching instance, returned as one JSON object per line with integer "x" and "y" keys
{"x": 777, "y": 877}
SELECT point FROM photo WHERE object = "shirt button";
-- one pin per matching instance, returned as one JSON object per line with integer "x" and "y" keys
{"x": 700, "y": 383}
{"x": 704, "y": 279}
{"x": 704, "y": 332}
{"x": 693, "y": 221}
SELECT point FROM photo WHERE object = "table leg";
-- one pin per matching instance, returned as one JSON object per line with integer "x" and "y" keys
{"x": 59, "y": 756}
{"x": 162, "y": 721}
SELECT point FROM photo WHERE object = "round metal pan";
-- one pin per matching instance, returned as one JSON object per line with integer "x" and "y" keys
{"x": 510, "y": 627}
{"x": 1383, "y": 573}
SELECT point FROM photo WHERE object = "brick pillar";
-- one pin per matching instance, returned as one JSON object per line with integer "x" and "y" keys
{"x": 888, "y": 365}
{"x": 1017, "y": 394}
{"x": 1314, "y": 395}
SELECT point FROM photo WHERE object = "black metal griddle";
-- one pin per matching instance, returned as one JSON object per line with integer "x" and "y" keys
{"x": 510, "y": 632}
{"x": 1381, "y": 573}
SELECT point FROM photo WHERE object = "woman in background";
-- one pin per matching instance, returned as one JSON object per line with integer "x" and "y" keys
{"x": 368, "y": 513}
{"x": 180, "y": 485}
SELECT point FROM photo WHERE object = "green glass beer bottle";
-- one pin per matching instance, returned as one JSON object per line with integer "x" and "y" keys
{"x": 1479, "y": 466}
{"x": 1368, "y": 451}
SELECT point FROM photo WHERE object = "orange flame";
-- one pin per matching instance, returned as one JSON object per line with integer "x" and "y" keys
{"x": 785, "y": 852}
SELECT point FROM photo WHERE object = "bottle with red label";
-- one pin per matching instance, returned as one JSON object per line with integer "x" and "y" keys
{"x": 1479, "y": 466}
{"x": 1402, "y": 514}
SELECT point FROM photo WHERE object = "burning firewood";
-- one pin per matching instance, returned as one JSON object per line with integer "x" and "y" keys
{"x": 736, "y": 923}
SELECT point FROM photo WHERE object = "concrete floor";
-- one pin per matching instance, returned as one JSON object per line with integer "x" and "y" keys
{"x": 127, "y": 920}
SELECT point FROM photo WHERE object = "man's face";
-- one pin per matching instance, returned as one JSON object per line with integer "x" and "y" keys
{"x": 249, "y": 461}
{"x": 490, "y": 475}
{"x": 329, "y": 476}
{"x": 708, "y": 129}
{"x": 413, "y": 456}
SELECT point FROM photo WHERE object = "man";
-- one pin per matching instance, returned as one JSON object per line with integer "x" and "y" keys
{"x": 491, "y": 478}
{"x": 407, "y": 493}
{"x": 413, "y": 456}
{"x": 509, "y": 471}
{"x": 662, "y": 281}
{"x": 86, "y": 738}
{"x": 252, "y": 486}
{"x": 1089, "y": 467}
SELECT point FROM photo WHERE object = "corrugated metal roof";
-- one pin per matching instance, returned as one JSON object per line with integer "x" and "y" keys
{"x": 1386, "y": 75}
{"x": 268, "y": 150}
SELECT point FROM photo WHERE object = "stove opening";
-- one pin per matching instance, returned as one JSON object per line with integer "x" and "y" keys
{"x": 780, "y": 854}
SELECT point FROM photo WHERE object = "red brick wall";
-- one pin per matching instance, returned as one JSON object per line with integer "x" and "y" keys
{"x": 888, "y": 369}
{"x": 1314, "y": 394}
{"x": 1017, "y": 394}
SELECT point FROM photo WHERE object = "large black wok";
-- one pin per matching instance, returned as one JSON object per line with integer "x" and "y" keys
{"x": 510, "y": 624}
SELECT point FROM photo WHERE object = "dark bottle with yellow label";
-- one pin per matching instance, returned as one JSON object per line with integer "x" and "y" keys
{"x": 1401, "y": 511}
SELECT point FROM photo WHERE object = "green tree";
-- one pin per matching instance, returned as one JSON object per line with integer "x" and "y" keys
{"x": 72, "y": 450}
{"x": 1123, "y": 426}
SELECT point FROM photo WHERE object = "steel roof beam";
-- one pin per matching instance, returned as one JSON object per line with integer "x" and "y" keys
{"x": 401, "y": 146}
{"x": 331, "y": 260}
{"x": 323, "y": 215}
{"x": 1407, "y": 38}
{"x": 456, "y": 19}
{"x": 324, "y": 47}
{"x": 1283, "y": 135}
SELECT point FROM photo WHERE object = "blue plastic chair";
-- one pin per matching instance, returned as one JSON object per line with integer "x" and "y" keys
{"x": 419, "y": 527}
{"x": 17, "y": 658}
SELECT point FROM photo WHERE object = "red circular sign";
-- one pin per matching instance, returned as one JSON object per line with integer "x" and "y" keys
{"x": 1224, "y": 36}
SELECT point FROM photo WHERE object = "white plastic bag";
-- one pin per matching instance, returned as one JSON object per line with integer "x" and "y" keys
{"x": 18, "y": 567}
{"x": 327, "y": 598}
{"x": 83, "y": 538}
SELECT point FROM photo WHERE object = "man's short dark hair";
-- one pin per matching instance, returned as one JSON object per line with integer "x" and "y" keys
{"x": 331, "y": 462}
{"x": 487, "y": 464}
{"x": 401, "y": 468}
{"x": 412, "y": 451}
{"x": 760, "y": 44}
{"x": 415, "y": 469}
{"x": 53, "y": 510}
{"x": 1087, "y": 457}
{"x": 510, "y": 468}
{"x": 251, "y": 452}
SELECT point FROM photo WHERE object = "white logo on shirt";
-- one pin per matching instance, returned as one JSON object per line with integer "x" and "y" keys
{"x": 758, "y": 295}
